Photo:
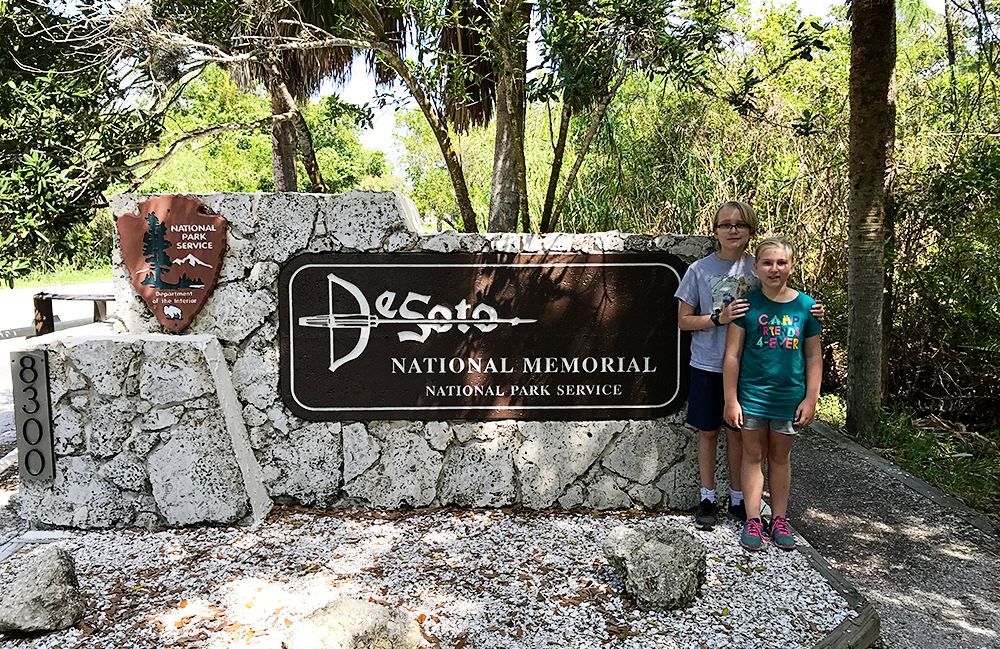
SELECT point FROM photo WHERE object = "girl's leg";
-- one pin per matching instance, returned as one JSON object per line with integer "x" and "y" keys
{"x": 755, "y": 444}
{"x": 706, "y": 457}
{"x": 779, "y": 470}
{"x": 734, "y": 455}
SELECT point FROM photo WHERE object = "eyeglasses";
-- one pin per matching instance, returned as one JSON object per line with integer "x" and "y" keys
{"x": 740, "y": 227}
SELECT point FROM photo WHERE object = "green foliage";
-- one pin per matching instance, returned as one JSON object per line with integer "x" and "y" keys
{"x": 64, "y": 135}
{"x": 832, "y": 409}
{"x": 962, "y": 462}
{"x": 65, "y": 275}
{"x": 947, "y": 309}
{"x": 240, "y": 161}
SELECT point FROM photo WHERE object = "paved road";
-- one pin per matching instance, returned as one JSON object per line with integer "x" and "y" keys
{"x": 17, "y": 307}
{"x": 930, "y": 567}
{"x": 17, "y": 311}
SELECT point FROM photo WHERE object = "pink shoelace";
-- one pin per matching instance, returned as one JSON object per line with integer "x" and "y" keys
{"x": 753, "y": 528}
{"x": 780, "y": 526}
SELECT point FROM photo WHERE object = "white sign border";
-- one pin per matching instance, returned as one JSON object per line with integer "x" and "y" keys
{"x": 291, "y": 342}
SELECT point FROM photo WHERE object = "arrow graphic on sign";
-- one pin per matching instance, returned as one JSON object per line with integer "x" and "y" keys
{"x": 365, "y": 321}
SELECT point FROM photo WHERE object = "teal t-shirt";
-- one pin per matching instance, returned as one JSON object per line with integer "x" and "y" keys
{"x": 773, "y": 369}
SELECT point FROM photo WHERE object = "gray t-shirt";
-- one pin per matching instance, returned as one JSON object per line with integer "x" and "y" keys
{"x": 709, "y": 285}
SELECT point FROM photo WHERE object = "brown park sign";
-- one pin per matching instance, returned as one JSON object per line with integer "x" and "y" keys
{"x": 491, "y": 336}
{"x": 173, "y": 251}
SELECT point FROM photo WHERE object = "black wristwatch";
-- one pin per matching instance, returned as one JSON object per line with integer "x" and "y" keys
{"x": 715, "y": 318}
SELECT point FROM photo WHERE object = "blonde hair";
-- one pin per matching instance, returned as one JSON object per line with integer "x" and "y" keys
{"x": 748, "y": 213}
{"x": 775, "y": 242}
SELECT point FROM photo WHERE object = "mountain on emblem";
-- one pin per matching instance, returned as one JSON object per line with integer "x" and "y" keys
{"x": 192, "y": 261}
{"x": 158, "y": 247}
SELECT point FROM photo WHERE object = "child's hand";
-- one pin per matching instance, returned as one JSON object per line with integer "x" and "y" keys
{"x": 817, "y": 311}
{"x": 733, "y": 415}
{"x": 734, "y": 311}
{"x": 805, "y": 413}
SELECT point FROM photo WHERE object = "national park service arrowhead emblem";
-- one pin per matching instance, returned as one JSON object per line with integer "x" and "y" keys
{"x": 173, "y": 251}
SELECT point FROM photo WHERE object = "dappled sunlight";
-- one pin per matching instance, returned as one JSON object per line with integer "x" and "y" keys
{"x": 486, "y": 578}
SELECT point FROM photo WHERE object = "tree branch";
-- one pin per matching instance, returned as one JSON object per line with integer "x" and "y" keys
{"x": 192, "y": 136}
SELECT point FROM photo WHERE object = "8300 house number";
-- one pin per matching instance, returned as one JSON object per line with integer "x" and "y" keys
{"x": 32, "y": 415}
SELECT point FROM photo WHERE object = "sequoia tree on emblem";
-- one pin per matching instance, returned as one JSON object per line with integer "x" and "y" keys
{"x": 173, "y": 250}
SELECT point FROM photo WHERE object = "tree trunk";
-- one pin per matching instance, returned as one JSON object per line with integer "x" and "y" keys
{"x": 504, "y": 191}
{"x": 282, "y": 149}
{"x": 440, "y": 131}
{"x": 300, "y": 132}
{"x": 508, "y": 191}
{"x": 558, "y": 154}
{"x": 872, "y": 123}
{"x": 595, "y": 122}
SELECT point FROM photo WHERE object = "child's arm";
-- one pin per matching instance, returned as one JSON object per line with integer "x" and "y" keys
{"x": 688, "y": 321}
{"x": 813, "y": 350}
{"x": 733, "y": 412}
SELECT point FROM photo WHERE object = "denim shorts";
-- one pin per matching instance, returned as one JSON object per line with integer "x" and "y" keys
{"x": 782, "y": 426}
{"x": 706, "y": 400}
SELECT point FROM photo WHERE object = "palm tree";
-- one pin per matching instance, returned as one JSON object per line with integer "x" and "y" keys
{"x": 872, "y": 126}
{"x": 289, "y": 75}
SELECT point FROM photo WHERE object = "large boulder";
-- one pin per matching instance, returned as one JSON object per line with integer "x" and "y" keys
{"x": 354, "y": 624}
{"x": 45, "y": 596}
{"x": 663, "y": 567}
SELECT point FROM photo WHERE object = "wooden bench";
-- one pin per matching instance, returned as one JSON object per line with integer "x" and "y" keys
{"x": 46, "y": 324}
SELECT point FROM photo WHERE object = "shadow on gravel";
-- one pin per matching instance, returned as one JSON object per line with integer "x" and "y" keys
{"x": 932, "y": 576}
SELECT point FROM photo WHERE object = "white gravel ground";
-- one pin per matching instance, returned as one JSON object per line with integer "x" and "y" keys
{"x": 472, "y": 578}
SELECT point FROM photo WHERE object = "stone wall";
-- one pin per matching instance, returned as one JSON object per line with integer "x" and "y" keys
{"x": 112, "y": 429}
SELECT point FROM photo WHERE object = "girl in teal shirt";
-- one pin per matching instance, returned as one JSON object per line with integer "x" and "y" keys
{"x": 771, "y": 378}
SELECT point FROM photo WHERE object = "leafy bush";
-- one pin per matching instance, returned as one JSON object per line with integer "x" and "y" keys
{"x": 946, "y": 329}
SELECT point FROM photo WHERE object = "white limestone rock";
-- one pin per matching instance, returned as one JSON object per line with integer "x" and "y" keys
{"x": 485, "y": 430}
{"x": 233, "y": 311}
{"x": 572, "y": 498}
{"x": 663, "y": 567}
{"x": 688, "y": 248}
{"x": 406, "y": 472}
{"x": 160, "y": 418}
{"x": 77, "y": 497}
{"x": 194, "y": 475}
{"x": 585, "y": 243}
{"x": 284, "y": 224}
{"x": 479, "y": 475}
{"x": 644, "y": 450}
{"x": 447, "y": 241}
{"x": 309, "y": 459}
{"x": 506, "y": 242}
{"x": 110, "y": 366}
{"x": 531, "y": 243}
{"x": 240, "y": 255}
{"x": 126, "y": 471}
{"x": 610, "y": 241}
{"x": 45, "y": 596}
{"x": 361, "y": 450}
{"x": 239, "y": 209}
{"x": 557, "y": 242}
{"x": 255, "y": 377}
{"x": 354, "y": 624}
{"x": 638, "y": 242}
{"x": 68, "y": 431}
{"x": 554, "y": 454}
{"x": 438, "y": 434}
{"x": 109, "y": 426}
{"x": 173, "y": 372}
{"x": 398, "y": 241}
{"x": 648, "y": 496}
{"x": 605, "y": 493}
{"x": 362, "y": 220}
{"x": 263, "y": 275}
